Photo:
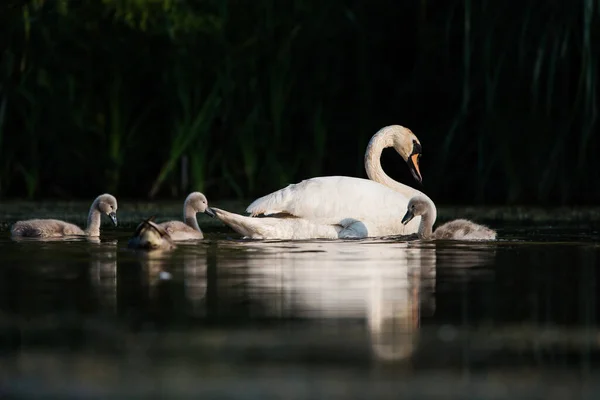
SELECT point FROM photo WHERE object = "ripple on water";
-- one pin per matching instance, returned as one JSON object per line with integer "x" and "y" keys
{"x": 222, "y": 309}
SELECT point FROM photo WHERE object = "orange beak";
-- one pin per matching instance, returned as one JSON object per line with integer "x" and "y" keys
{"x": 414, "y": 167}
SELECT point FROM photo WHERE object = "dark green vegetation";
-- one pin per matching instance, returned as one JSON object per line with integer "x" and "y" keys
{"x": 238, "y": 98}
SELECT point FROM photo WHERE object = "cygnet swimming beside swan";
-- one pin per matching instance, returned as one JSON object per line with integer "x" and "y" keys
{"x": 459, "y": 229}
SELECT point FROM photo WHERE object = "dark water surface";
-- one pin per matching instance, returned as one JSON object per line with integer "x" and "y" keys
{"x": 376, "y": 318}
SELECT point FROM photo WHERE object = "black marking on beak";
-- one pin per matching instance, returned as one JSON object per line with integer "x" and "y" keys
{"x": 209, "y": 211}
{"x": 407, "y": 217}
{"x": 113, "y": 217}
{"x": 413, "y": 161}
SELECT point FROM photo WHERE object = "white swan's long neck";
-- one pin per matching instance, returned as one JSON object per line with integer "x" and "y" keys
{"x": 380, "y": 141}
{"x": 189, "y": 217}
{"x": 93, "y": 221}
{"x": 427, "y": 220}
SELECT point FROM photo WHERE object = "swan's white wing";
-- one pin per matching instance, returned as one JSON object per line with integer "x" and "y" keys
{"x": 330, "y": 199}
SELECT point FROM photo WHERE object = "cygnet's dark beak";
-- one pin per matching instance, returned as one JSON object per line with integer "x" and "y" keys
{"x": 113, "y": 217}
{"x": 210, "y": 212}
{"x": 407, "y": 217}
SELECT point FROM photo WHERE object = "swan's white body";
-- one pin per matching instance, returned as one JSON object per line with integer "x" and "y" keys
{"x": 277, "y": 228}
{"x": 330, "y": 199}
{"x": 376, "y": 211}
{"x": 337, "y": 206}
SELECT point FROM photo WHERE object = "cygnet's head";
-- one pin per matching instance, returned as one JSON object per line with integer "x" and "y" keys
{"x": 199, "y": 204}
{"x": 149, "y": 235}
{"x": 417, "y": 205}
{"x": 107, "y": 204}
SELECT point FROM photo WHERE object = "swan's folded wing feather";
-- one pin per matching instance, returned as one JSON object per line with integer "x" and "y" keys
{"x": 331, "y": 199}
{"x": 43, "y": 228}
{"x": 26, "y": 229}
{"x": 270, "y": 204}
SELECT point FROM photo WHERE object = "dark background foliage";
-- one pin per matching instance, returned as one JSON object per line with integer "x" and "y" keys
{"x": 236, "y": 98}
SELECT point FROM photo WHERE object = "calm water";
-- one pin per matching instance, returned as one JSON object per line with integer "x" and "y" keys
{"x": 224, "y": 317}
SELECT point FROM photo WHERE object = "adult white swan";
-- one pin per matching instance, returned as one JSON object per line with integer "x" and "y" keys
{"x": 339, "y": 206}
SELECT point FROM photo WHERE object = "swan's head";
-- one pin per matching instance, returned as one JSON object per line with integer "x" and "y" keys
{"x": 408, "y": 146}
{"x": 418, "y": 205}
{"x": 199, "y": 204}
{"x": 404, "y": 141}
{"x": 107, "y": 204}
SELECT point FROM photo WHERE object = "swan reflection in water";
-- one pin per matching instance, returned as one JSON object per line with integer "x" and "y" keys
{"x": 387, "y": 284}
{"x": 157, "y": 266}
{"x": 378, "y": 281}
{"x": 194, "y": 275}
{"x": 103, "y": 274}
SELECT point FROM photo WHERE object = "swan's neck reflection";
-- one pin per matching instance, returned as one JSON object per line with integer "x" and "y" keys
{"x": 103, "y": 274}
{"x": 393, "y": 318}
{"x": 155, "y": 267}
{"x": 377, "y": 281}
{"x": 194, "y": 270}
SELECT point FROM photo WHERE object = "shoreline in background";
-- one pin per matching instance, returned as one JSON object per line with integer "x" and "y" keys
{"x": 132, "y": 212}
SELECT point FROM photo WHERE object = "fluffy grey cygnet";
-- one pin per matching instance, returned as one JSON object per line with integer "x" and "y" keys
{"x": 459, "y": 229}
{"x": 53, "y": 228}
